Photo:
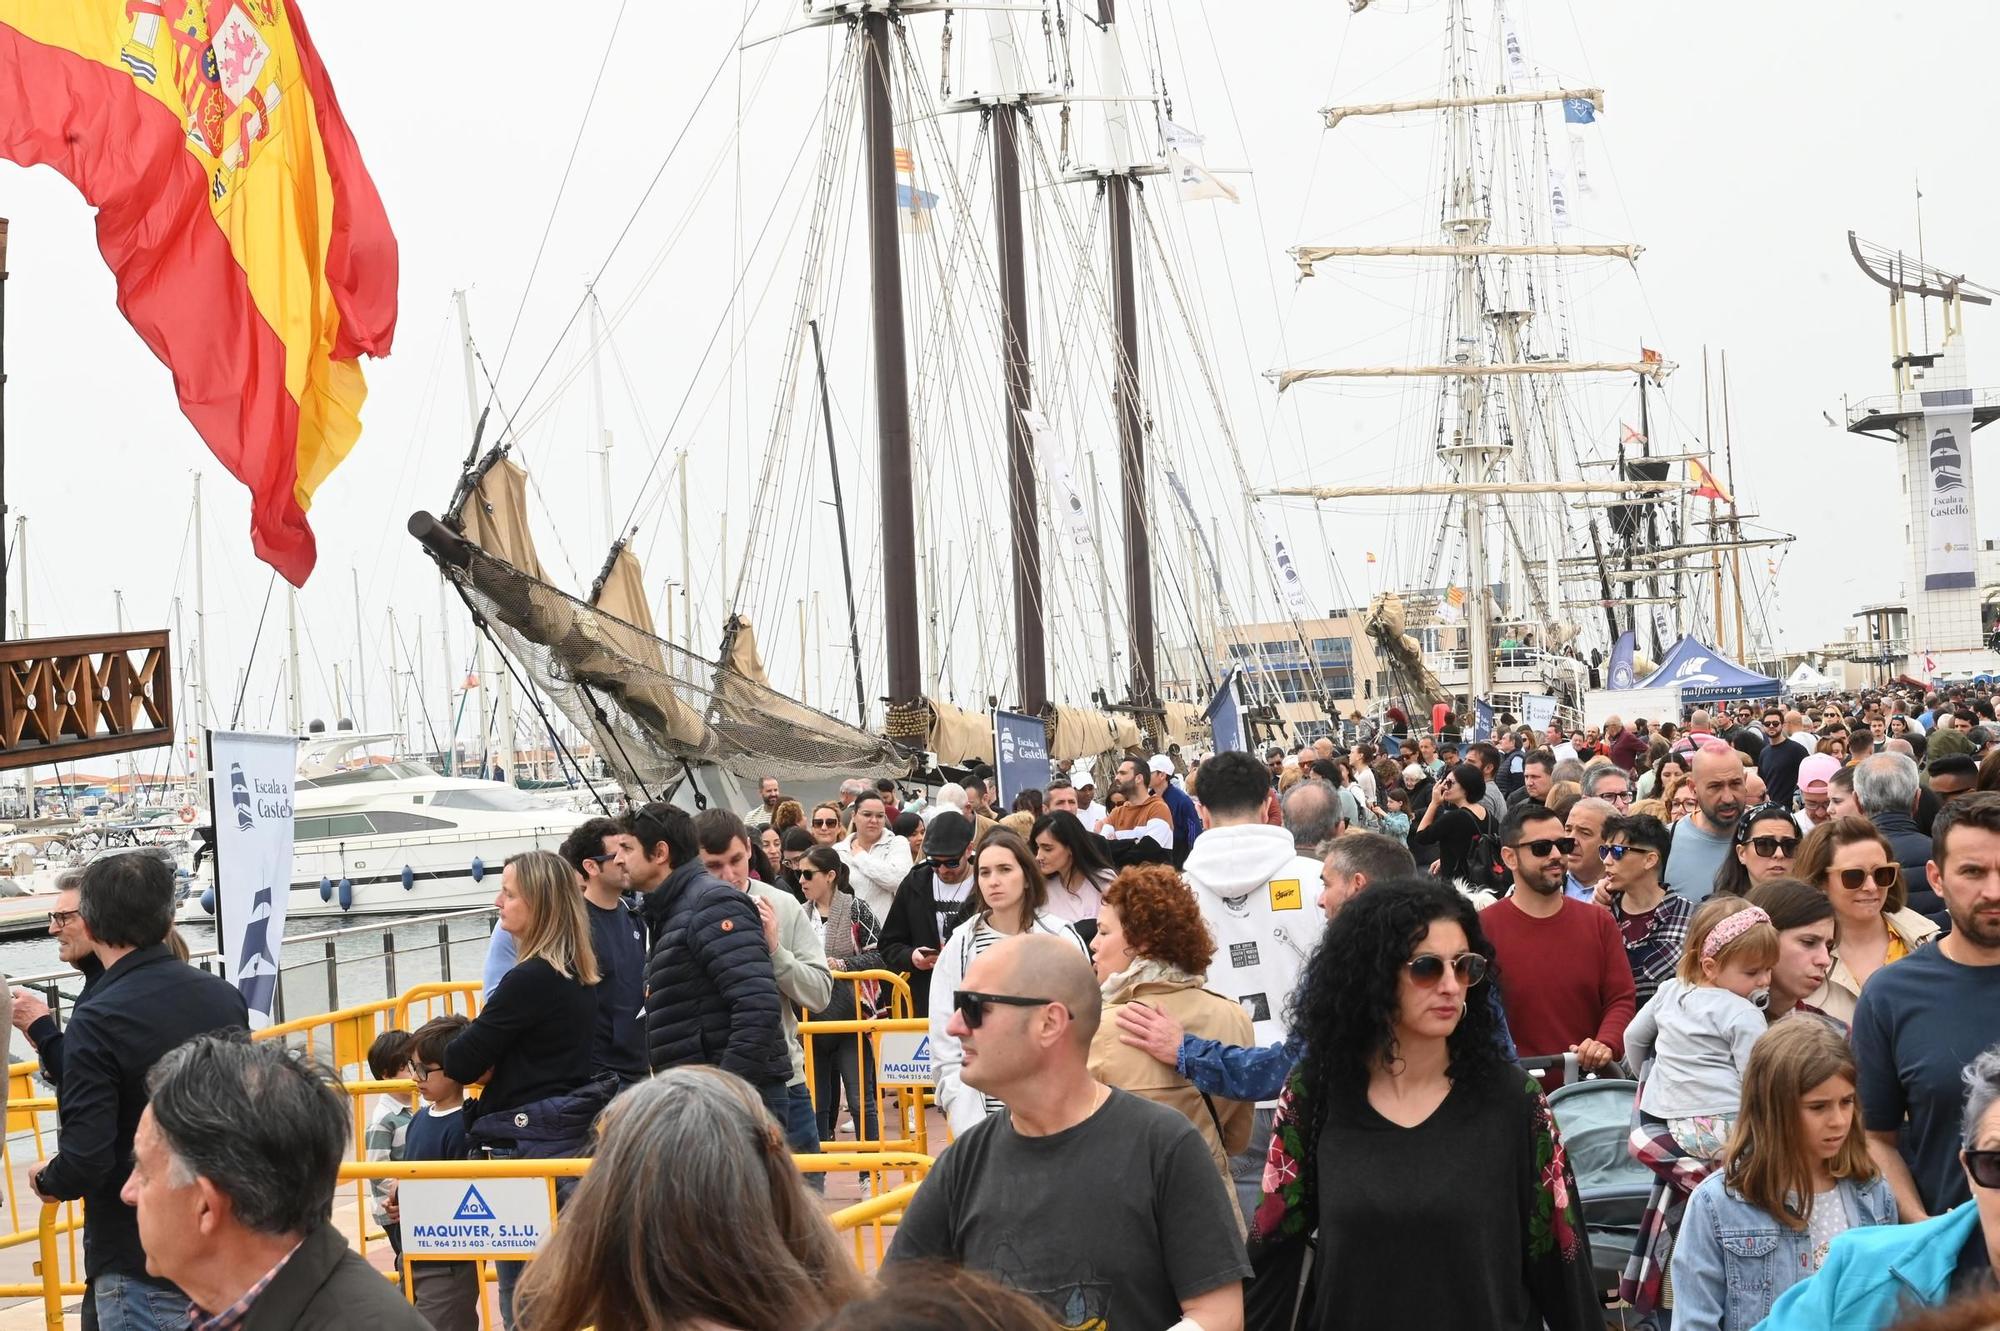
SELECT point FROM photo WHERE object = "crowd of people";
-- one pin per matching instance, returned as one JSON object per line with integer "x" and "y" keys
{"x": 1261, "y": 1040}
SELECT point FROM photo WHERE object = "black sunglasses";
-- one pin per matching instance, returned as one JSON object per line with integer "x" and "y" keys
{"x": 1984, "y": 1166}
{"x": 1543, "y": 845}
{"x": 940, "y": 862}
{"x": 1852, "y": 879}
{"x": 1427, "y": 968}
{"x": 1767, "y": 846}
{"x": 972, "y": 1006}
{"x": 600, "y": 859}
{"x": 826, "y": 822}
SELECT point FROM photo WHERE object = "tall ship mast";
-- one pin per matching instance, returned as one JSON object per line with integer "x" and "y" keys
{"x": 1523, "y": 568}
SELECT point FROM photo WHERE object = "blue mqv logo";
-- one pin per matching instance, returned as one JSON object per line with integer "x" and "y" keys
{"x": 473, "y": 1207}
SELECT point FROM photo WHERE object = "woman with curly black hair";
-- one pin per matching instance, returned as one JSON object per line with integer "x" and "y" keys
{"x": 1428, "y": 1165}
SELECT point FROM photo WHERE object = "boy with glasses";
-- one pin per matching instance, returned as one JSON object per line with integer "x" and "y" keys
{"x": 1566, "y": 983}
{"x": 446, "y": 1293}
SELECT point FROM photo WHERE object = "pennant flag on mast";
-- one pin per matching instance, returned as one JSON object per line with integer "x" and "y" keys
{"x": 1558, "y": 199}
{"x": 914, "y": 204}
{"x": 1289, "y": 581}
{"x": 1705, "y": 484}
{"x": 1197, "y": 181}
{"x": 1180, "y": 136}
{"x": 1648, "y": 356}
{"x": 1517, "y": 58}
{"x": 1628, "y": 435}
{"x": 250, "y": 249}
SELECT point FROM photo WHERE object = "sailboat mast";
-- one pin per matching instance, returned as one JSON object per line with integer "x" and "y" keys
{"x": 482, "y": 650}
{"x": 294, "y": 715}
{"x": 892, "y": 387}
{"x": 1118, "y": 186}
{"x": 598, "y": 341}
{"x": 846, "y": 561}
{"x": 1467, "y": 226}
{"x": 1652, "y": 525}
{"x": 1735, "y": 528}
{"x": 1032, "y": 669}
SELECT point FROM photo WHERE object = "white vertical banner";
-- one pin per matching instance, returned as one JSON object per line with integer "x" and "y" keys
{"x": 251, "y": 779}
{"x": 1289, "y": 581}
{"x": 1948, "y": 559}
{"x": 1068, "y": 500}
{"x": 1558, "y": 199}
{"x": 1517, "y": 59}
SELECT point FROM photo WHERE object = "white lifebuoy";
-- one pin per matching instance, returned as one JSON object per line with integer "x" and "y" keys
{"x": 187, "y": 813}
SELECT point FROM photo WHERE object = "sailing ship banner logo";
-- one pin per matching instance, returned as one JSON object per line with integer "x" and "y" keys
{"x": 253, "y": 778}
{"x": 1949, "y": 535}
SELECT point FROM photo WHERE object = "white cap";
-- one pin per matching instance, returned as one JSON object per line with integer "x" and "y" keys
{"x": 1081, "y": 776}
{"x": 1160, "y": 763}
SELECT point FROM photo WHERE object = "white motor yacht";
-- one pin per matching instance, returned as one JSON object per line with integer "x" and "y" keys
{"x": 376, "y": 835}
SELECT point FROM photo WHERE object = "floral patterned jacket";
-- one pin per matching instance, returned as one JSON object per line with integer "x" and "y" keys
{"x": 1556, "y": 1263}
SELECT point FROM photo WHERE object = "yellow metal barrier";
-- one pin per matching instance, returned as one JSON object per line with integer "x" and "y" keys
{"x": 909, "y": 1101}
{"x": 870, "y": 1215}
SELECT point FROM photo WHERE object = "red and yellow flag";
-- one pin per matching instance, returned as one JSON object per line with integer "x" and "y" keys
{"x": 1705, "y": 484}
{"x": 250, "y": 248}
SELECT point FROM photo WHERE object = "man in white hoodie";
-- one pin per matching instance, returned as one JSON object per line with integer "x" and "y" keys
{"x": 1260, "y": 898}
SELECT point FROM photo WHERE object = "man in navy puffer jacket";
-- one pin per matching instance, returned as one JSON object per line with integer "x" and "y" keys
{"x": 711, "y": 995}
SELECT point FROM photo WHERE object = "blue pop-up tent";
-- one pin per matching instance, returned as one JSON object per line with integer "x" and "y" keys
{"x": 1706, "y": 675}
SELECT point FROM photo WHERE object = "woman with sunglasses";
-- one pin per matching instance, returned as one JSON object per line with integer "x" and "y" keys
{"x": 1795, "y": 1175}
{"x": 1873, "y": 1275}
{"x": 1766, "y": 841}
{"x": 1853, "y": 863}
{"x": 853, "y": 943}
{"x": 1012, "y": 898}
{"x": 825, "y": 825}
{"x": 1454, "y": 820}
{"x": 1153, "y": 948}
{"x": 1652, "y": 920}
{"x": 1407, "y": 1142}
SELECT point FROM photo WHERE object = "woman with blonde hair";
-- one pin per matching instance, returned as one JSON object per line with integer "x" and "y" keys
{"x": 1153, "y": 948}
{"x": 692, "y": 1216}
{"x": 1795, "y": 1174}
{"x": 1855, "y": 866}
{"x": 531, "y": 1042}
{"x": 825, "y": 825}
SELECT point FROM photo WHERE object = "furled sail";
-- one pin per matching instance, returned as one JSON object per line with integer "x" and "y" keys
{"x": 650, "y": 707}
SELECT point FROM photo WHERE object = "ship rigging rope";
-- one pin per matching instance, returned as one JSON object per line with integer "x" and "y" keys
{"x": 618, "y": 241}
{"x": 562, "y": 187}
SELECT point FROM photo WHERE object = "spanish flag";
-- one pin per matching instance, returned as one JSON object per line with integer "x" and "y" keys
{"x": 250, "y": 248}
{"x": 1705, "y": 484}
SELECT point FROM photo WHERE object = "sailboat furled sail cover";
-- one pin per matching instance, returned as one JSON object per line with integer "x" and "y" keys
{"x": 649, "y": 707}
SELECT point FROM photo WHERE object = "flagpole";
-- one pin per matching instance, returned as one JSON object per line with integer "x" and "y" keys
{"x": 1735, "y": 528}
{"x": 1715, "y": 553}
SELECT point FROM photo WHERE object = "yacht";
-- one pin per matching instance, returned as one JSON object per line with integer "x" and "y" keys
{"x": 374, "y": 835}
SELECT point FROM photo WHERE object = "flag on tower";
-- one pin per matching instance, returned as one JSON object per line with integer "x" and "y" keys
{"x": 1705, "y": 484}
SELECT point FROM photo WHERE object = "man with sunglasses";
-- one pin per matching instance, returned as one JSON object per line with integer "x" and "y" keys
{"x": 1784, "y": 751}
{"x": 1104, "y": 1208}
{"x": 931, "y": 899}
{"x": 1921, "y": 1020}
{"x": 1567, "y": 986}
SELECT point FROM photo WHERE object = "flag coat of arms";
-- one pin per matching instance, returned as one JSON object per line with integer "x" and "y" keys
{"x": 251, "y": 251}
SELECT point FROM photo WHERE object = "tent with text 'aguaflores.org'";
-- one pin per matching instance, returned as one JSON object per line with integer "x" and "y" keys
{"x": 1706, "y": 675}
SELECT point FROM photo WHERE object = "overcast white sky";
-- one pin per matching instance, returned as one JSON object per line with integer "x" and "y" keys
{"x": 1740, "y": 144}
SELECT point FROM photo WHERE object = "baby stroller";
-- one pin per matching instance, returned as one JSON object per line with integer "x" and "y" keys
{"x": 1595, "y": 1119}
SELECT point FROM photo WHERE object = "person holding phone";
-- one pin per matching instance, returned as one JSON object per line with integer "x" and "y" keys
{"x": 929, "y": 902}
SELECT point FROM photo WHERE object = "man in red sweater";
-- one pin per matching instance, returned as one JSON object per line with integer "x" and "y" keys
{"x": 1621, "y": 745}
{"x": 1564, "y": 978}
